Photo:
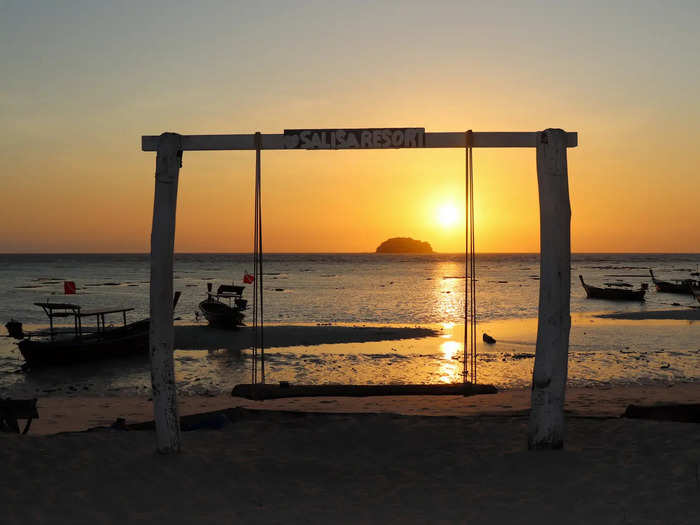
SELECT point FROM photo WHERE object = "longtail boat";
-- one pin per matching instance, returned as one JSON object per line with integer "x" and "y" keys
{"x": 677, "y": 286}
{"x": 614, "y": 293}
{"x": 79, "y": 343}
{"x": 696, "y": 291}
{"x": 224, "y": 309}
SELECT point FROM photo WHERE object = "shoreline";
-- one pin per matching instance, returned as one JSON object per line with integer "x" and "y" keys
{"x": 211, "y": 362}
{"x": 78, "y": 413}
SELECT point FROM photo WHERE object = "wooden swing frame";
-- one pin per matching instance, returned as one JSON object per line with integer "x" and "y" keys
{"x": 546, "y": 425}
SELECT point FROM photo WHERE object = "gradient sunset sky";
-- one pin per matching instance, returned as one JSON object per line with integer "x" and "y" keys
{"x": 82, "y": 81}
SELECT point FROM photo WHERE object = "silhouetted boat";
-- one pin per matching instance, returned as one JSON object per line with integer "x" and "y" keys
{"x": 65, "y": 346}
{"x": 613, "y": 293}
{"x": 77, "y": 344}
{"x": 677, "y": 286}
{"x": 224, "y": 309}
{"x": 695, "y": 288}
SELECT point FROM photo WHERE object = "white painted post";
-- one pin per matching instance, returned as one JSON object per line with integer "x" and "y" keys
{"x": 161, "y": 334}
{"x": 546, "y": 426}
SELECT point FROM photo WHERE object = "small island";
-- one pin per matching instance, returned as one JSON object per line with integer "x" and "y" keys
{"x": 404, "y": 245}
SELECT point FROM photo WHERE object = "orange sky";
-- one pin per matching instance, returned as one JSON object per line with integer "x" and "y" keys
{"x": 78, "y": 93}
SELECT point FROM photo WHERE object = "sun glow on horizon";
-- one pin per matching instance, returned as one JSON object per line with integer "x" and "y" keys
{"x": 447, "y": 215}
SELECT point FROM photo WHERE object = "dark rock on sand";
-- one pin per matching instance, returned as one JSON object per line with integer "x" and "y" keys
{"x": 488, "y": 339}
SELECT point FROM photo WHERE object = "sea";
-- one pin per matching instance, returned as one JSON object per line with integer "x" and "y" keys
{"x": 362, "y": 290}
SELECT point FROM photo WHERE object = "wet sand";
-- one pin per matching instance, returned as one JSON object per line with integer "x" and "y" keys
{"x": 692, "y": 314}
{"x": 212, "y": 362}
{"x": 203, "y": 337}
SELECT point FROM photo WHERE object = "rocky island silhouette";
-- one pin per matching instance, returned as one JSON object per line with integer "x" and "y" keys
{"x": 404, "y": 245}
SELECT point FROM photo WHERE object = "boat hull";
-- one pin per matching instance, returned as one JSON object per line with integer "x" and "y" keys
{"x": 221, "y": 315}
{"x": 117, "y": 342}
{"x": 666, "y": 287}
{"x": 681, "y": 288}
{"x": 593, "y": 292}
{"x": 613, "y": 294}
{"x": 696, "y": 292}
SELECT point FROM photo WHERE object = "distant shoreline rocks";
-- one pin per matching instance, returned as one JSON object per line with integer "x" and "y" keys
{"x": 404, "y": 245}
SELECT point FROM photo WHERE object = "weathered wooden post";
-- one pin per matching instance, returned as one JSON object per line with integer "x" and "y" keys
{"x": 166, "y": 418}
{"x": 546, "y": 426}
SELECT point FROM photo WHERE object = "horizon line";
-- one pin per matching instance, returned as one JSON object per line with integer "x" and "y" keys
{"x": 350, "y": 253}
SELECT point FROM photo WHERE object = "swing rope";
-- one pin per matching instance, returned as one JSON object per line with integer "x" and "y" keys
{"x": 470, "y": 261}
{"x": 258, "y": 341}
{"x": 469, "y": 370}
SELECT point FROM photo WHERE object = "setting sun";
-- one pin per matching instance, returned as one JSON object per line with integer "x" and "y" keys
{"x": 447, "y": 215}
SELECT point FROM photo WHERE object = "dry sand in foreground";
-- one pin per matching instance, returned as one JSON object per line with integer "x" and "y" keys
{"x": 369, "y": 466}
{"x": 358, "y": 468}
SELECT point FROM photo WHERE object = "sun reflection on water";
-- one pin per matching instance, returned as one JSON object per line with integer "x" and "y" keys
{"x": 450, "y": 364}
{"x": 448, "y": 279}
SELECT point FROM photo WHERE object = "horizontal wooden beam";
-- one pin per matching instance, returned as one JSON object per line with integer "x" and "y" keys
{"x": 483, "y": 139}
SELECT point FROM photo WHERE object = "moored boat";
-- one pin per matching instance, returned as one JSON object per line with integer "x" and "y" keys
{"x": 695, "y": 288}
{"x": 224, "y": 309}
{"x": 678, "y": 286}
{"x": 76, "y": 344}
{"x": 614, "y": 293}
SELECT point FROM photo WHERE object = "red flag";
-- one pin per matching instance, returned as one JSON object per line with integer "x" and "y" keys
{"x": 248, "y": 278}
{"x": 68, "y": 287}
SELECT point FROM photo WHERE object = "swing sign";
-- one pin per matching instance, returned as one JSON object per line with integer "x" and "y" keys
{"x": 365, "y": 138}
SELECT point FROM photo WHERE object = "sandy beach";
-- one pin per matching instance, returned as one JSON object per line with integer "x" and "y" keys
{"x": 394, "y": 459}
{"x": 373, "y": 460}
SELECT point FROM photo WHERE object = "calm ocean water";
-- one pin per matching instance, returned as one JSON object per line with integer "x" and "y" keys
{"x": 355, "y": 289}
